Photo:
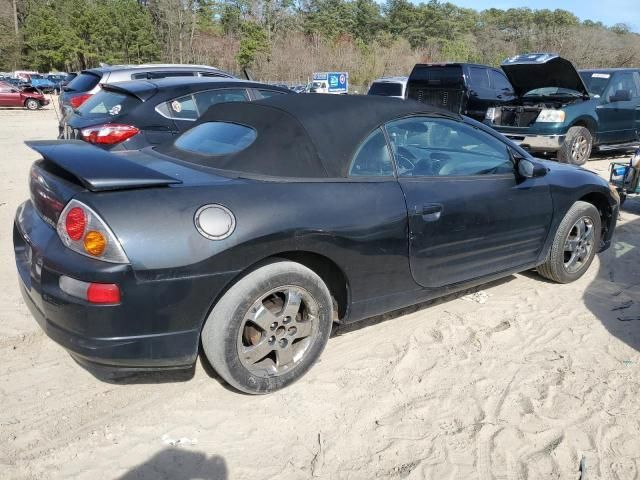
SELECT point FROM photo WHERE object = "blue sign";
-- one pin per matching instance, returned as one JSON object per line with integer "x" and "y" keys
{"x": 338, "y": 81}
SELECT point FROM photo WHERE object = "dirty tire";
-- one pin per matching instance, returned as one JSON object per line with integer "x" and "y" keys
{"x": 225, "y": 329}
{"x": 554, "y": 268}
{"x": 577, "y": 145}
{"x": 32, "y": 104}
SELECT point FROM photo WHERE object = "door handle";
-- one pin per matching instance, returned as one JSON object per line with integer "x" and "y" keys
{"x": 431, "y": 212}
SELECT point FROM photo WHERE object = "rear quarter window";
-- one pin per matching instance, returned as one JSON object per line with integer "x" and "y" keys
{"x": 479, "y": 77}
{"x": 107, "y": 103}
{"x": 216, "y": 138}
{"x": 264, "y": 93}
{"x": 191, "y": 107}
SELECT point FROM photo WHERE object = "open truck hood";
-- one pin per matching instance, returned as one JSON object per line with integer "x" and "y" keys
{"x": 538, "y": 70}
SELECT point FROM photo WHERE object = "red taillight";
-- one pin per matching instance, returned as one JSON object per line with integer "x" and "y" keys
{"x": 78, "y": 100}
{"x": 75, "y": 223}
{"x": 91, "y": 292}
{"x": 108, "y": 134}
{"x": 103, "y": 293}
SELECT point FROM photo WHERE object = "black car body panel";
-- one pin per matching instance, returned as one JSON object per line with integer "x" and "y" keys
{"x": 464, "y": 88}
{"x": 143, "y": 113}
{"x": 104, "y": 171}
{"x": 368, "y": 237}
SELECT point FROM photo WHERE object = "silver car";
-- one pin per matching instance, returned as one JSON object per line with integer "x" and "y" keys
{"x": 88, "y": 82}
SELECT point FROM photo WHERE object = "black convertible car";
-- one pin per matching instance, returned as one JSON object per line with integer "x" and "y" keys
{"x": 264, "y": 223}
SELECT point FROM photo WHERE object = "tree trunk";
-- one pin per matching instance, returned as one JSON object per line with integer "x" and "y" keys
{"x": 15, "y": 18}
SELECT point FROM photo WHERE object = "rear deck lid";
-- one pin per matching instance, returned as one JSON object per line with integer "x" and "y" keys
{"x": 531, "y": 71}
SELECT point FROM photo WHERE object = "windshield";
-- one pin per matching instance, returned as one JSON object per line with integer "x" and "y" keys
{"x": 108, "y": 104}
{"x": 216, "y": 138}
{"x": 386, "y": 89}
{"x": 596, "y": 82}
{"x": 552, "y": 92}
{"x": 35, "y": 75}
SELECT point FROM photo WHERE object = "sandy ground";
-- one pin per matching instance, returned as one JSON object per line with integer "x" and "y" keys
{"x": 522, "y": 379}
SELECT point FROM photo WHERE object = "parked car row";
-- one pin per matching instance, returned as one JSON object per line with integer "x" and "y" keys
{"x": 537, "y": 100}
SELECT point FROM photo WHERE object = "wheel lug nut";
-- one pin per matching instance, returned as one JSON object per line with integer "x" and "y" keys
{"x": 274, "y": 325}
{"x": 286, "y": 320}
{"x": 272, "y": 340}
{"x": 283, "y": 342}
{"x": 292, "y": 330}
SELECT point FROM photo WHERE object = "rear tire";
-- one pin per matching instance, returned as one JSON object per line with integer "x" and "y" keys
{"x": 32, "y": 104}
{"x": 574, "y": 245}
{"x": 577, "y": 145}
{"x": 269, "y": 328}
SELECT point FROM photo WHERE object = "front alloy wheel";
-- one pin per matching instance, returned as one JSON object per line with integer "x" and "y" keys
{"x": 579, "y": 150}
{"x": 578, "y": 245}
{"x": 574, "y": 244}
{"x": 577, "y": 145}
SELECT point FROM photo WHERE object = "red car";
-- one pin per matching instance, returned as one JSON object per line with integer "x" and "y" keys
{"x": 29, "y": 97}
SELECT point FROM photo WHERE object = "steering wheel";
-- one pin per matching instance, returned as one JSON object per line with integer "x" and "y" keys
{"x": 405, "y": 159}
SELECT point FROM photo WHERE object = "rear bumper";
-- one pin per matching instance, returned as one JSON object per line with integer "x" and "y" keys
{"x": 159, "y": 351}
{"x": 155, "y": 326}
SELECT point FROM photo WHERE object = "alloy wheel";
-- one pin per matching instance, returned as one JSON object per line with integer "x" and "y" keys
{"x": 278, "y": 331}
{"x": 578, "y": 245}
{"x": 580, "y": 149}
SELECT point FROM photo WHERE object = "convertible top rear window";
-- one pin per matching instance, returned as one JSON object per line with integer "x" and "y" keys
{"x": 216, "y": 138}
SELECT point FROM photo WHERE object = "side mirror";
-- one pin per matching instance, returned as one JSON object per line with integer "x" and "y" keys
{"x": 620, "y": 96}
{"x": 529, "y": 169}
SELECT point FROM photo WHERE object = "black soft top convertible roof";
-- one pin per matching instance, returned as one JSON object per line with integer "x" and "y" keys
{"x": 304, "y": 135}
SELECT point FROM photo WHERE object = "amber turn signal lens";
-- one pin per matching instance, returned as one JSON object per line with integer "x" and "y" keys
{"x": 95, "y": 243}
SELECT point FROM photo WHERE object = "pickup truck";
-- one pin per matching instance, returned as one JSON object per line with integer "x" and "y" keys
{"x": 561, "y": 111}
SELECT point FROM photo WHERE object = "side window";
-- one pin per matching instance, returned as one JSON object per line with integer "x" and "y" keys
{"x": 210, "y": 97}
{"x": 479, "y": 77}
{"x": 624, "y": 81}
{"x": 268, "y": 93}
{"x": 372, "y": 158}
{"x": 433, "y": 147}
{"x": 636, "y": 80}
{"x": 499, "y": 81}
{"x": 182, "y": 108}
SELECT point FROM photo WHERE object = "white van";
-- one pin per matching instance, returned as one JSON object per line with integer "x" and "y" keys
{"x": 395, "y": 87}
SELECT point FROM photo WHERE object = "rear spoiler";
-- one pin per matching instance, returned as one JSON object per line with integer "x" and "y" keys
{"x": 96, "y": 169}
